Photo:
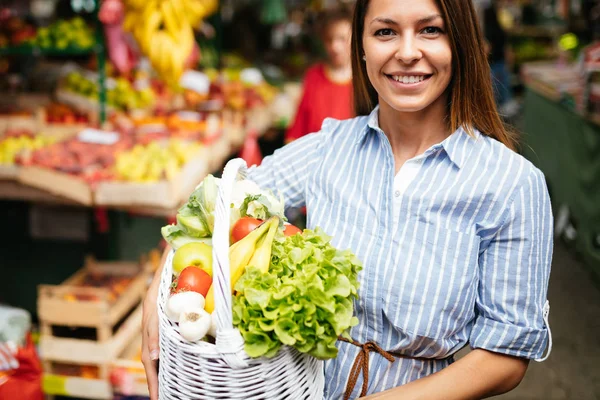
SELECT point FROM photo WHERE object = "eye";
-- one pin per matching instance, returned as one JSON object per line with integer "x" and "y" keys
{"x": 432, "y": 31}
{"x": 384, "y": 32}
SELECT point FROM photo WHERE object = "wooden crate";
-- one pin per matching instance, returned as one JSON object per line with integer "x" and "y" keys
{"x": 130, "y": 364}
{"x": 111, "y": 322}
{"x": 56, "y": 384}
{"x": 163, "y": 194}
{"x": 9, "y": 172}
{"x": 29, "y": 123}
{"x": 57, "y": 183}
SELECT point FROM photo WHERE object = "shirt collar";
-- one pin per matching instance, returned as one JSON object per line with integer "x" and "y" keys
{"x": 457, "y": 146}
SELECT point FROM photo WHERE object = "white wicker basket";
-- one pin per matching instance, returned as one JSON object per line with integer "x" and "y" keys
{"x": 205, "y": 371}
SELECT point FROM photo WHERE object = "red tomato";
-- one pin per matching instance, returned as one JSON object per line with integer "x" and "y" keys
{"x": 291, "y": 230}
{"x": 194, "y": 279}
{"x": 244, "y": 226}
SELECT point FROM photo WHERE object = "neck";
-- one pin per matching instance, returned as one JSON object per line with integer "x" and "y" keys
{"x": 412, "y": 133}
{"x": 339, "y": 74}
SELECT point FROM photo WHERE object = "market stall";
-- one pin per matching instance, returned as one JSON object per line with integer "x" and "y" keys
{"x": 102, "y": 139}
{"x": 561, "y": 135}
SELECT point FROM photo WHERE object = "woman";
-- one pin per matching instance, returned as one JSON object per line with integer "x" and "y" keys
{"x": 453, "y": 227}
{"x": 327, "y": 89}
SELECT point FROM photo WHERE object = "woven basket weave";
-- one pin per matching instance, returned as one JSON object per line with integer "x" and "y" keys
{"x": 205, "y": 371}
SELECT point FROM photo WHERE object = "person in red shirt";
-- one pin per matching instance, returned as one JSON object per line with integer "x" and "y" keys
{"x": 327, "y": 89}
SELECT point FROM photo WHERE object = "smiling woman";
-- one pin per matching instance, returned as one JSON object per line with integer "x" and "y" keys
{"x": 411, "y": 38}
{"x": 453, "y": 227}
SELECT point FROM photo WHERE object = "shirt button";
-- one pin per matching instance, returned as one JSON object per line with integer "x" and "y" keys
{"x": 397, "y": 193}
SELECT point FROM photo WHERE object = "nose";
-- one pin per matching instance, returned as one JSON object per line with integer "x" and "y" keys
{"x": 408, "y": 52}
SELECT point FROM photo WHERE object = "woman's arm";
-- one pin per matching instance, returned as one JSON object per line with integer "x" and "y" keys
{"x": 478, "y": 375}
{"x": 150, "y": 350}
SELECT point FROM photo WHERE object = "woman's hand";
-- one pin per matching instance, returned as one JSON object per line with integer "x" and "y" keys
{"x": 150, "y": 349}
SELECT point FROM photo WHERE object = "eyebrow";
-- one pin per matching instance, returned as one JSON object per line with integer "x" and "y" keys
{"x": 389, "y": 21}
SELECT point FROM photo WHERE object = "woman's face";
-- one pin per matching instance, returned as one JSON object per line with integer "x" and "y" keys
{"x": 408, "y": 54}
{"x": 336, "y": 40}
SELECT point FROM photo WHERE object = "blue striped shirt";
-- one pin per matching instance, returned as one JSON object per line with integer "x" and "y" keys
{"x": 461, "y": 256}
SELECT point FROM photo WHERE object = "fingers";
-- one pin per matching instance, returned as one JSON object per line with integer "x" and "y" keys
{"x": 151, "y": 375}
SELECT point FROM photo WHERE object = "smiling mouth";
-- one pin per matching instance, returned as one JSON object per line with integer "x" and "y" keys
{"x": 408, "y": 79}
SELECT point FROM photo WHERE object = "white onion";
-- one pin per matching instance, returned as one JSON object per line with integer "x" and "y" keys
{"x": 183, "y": 301}
{"x": 194, "y": 324}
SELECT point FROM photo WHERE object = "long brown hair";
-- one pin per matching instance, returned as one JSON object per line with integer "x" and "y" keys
{"x": 471, "y": 96}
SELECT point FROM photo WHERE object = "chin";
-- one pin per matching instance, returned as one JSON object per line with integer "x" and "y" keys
{"x": 406, "y": 106}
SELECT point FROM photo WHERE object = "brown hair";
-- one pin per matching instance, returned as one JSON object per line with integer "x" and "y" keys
{"x": 471, "y": 97}
{"x": 332, "y": 16}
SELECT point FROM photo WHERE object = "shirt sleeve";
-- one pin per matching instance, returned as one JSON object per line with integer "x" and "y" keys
{"x": 288, "y": 169}
{"x": 514, "y": 271}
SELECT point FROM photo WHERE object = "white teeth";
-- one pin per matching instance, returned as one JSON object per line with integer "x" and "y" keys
{"x": 408, "y": 79}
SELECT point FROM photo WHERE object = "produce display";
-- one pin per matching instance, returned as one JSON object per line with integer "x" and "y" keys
{"x": 116, "y": 286}
{"x": 155, "y": 161}
{"x": 89, "y": 161}
{"x": 21, "y": 145}
{"x": 66, "y": 34}
{"x": 290, "y": 287}
{"x": 57, "y": 113}
{"x": 15, "y": 31}
{"x": 60, "y": 35}
{"x": 120, "y": 92}
{"x": 164, "y": 31}
{"x": 237, "y": 89}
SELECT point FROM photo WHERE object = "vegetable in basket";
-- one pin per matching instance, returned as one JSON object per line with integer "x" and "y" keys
{"x": 304, "y": 300}
{"x": 254, "y": 249}
{"x": 195, "y": 220}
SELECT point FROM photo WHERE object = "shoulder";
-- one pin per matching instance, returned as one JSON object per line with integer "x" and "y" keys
{"x": 519, "y": 168}
{"x": 508, "y": 175}
{"x": 314, "y": 72}
{"x": 345, "y": 130}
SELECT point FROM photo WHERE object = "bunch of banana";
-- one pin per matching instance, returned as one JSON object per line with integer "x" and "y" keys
{"x": 253, "y": 250}
{"x": 153, "y": 162}
{"x": 164, "y": 31}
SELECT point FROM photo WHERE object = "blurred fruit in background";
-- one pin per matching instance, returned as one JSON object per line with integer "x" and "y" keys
{"x": 164, "y": 31}
{"x": 57, "y": 113}
{"x": 155, "y": 161}
{"x": 66, "y": 34}
{"x": 120, "y": 93}
{"x": 15, "y": 31}
{"x": 14, "y": 146}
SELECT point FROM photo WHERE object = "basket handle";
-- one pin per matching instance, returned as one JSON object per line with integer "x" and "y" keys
{"x": 229, "y": 341}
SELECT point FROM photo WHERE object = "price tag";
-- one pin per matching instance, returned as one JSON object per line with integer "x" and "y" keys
{"x": 251, "y": 76}
{"x": 196, "y": 81}
{"x": 97, "y": 136}
{"x": 54, "y": 384}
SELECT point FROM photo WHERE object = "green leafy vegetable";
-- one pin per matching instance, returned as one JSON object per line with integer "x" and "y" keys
{"x": 196, "y": 220}
{"x": 305, "y": 300}
{"x": 177, "y": 236}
